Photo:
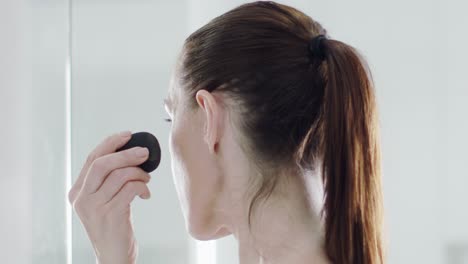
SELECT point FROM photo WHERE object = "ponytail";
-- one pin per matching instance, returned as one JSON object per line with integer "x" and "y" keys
{"x": 351, "y": 160}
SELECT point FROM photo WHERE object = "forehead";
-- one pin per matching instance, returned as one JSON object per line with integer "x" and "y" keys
{"x": 174, "y": 94}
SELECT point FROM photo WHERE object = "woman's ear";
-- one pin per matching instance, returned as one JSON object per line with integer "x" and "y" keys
{"x": 212, "y": 115}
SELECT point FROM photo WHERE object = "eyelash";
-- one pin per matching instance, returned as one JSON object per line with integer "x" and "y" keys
{"x": 168, "y": 120}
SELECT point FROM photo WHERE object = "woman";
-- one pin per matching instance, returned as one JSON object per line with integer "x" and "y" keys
{"x": 274, "y": 139}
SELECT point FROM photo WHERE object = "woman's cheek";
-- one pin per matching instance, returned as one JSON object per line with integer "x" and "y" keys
{"x": 178, "y": 169}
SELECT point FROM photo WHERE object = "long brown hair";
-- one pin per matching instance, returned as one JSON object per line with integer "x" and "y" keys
{"x": 298, "y": 109}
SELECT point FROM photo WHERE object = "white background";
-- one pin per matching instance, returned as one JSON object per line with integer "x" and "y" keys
{"x": 122, "y": 55}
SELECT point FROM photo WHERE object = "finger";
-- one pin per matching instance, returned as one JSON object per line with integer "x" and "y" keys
{"x": 103, "y": 166}
{"x": 108, "y": 145}
{"x": 128, "y": 193}
{"x": 117, "y": 179}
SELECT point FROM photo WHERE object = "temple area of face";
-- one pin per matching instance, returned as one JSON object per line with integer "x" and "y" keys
{"x": 167, "y": 104}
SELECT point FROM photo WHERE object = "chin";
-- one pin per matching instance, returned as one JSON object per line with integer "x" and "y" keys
{"x": 199, "y": 234}
{"x": 206, "y": 232}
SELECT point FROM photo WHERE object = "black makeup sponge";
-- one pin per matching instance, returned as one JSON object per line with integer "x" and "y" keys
{"x": 148, "y": 140}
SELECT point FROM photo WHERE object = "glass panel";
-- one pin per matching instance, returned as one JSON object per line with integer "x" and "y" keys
{"x": 49, "y": 44}
{"x": 122, "y": 57}
{"x": 33, "y": 81}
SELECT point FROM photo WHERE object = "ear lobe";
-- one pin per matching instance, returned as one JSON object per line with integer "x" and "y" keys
{"x": 208, "y": 104}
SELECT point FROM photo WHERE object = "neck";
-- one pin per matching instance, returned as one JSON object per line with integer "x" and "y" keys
{"x": 285, "y": 228}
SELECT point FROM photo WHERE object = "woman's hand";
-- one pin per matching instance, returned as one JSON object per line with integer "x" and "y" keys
{"x": 101, "y": 196}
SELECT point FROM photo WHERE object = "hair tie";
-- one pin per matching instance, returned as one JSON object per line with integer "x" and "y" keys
{"x": 316, "y": 47}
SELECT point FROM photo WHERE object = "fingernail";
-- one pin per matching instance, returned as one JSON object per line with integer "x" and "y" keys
{"x": 142, "y": 152}
{"x": 125, "y": 134}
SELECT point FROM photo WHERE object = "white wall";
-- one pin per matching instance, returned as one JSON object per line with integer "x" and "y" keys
{"x": 15, "y": 160}
{"x": 453, "y": 190}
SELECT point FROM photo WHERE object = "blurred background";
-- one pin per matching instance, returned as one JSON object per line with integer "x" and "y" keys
{"x": 74, "y": 71}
